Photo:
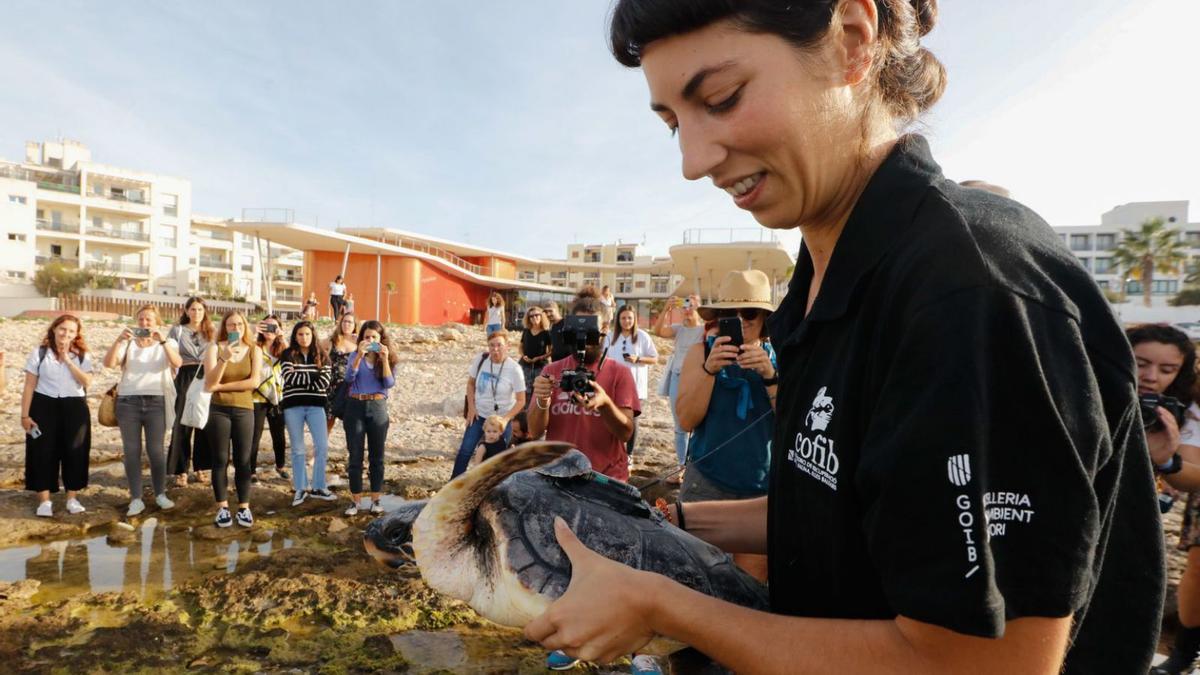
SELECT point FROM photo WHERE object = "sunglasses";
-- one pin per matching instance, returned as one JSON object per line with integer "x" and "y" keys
{"x": 747, "y": 313}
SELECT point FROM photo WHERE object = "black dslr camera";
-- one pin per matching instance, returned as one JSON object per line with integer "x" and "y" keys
{"x": 1150, "y": 402}
{"x": 579, "y": 332}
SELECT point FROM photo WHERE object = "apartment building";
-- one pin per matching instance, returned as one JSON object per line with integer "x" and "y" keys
{"x": 58, "y": 205}
{"x": 1093, "y": 245}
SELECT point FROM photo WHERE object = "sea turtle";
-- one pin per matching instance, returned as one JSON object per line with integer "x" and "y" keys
{"x": 487, "y": 537}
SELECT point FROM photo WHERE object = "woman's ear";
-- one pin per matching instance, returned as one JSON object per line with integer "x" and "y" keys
{"x": 856, "y": 34}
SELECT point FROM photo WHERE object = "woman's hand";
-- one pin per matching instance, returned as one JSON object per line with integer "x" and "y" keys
{"x": 125, "y": 335}
{"x": 754, "y": 357}
{"x": 225, "y": 353}
{"x": 604, "y": 614}
{"x": 363, "y": 348}
{"x": 383, "y": 351}
{"x": 722, "y": 354}
{"x": 157, "y": 336}
{"x": 28, "y": 424}
{"x": 1163, "y": 443}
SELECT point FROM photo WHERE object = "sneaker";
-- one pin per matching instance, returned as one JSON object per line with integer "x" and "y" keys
{"x": 181, "y": 480}
{"x": 45, "y": 509}
{"x": 202, "y": 477}
{"x": 282, "y": 473}
{"x": 223, "y": 518}
{"x": 244, "y": 517}
{"x": 163, "y": 502}
{"x": 376, "y": 508}
{"x": 644, "y": 664}
{"x": 558, "y": 660}
{"x": 322, "y": 494}
{"x": 136, "y": 506}
{"x": 301, "y": 495}
{"x": 353, "y": 510}
{"x": 74, "y": 507}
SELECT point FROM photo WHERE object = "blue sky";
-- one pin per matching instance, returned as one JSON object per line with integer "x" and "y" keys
{"x": 509, "y": 125}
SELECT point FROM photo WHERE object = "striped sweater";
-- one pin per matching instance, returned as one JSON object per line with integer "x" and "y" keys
{"x": 303, "y": 383}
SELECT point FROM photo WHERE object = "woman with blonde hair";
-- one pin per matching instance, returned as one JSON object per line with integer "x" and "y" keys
{"x": 535, "y": 344}
{"x": 193, "y": 334}
{"x": 55, "y": 416}
{"x": 145, "y": 402}
{"x": 232, "y": 368}
{"x": 495, "y": 314}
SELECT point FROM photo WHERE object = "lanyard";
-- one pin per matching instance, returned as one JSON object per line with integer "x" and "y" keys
{"x": 496, "y": 382}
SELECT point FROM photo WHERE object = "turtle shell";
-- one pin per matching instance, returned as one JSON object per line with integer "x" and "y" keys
{"x": 609, "y": 519}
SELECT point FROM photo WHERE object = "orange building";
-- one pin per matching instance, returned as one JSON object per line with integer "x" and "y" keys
{"x": 402, "y": 281}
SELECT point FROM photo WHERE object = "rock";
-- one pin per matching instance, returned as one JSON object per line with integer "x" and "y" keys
{"x": 452, "y": 406}
{"x": 121, "y": 525}
{"x": 259, "y": 536}
{"x": 449, "y": 335}
{"x": 336, "y": 525}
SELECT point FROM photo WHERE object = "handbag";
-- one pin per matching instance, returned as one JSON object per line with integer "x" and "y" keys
{"x": 195, "y": 406}
{"x": 337, "y": 404}
{"x": 106, "y": 415}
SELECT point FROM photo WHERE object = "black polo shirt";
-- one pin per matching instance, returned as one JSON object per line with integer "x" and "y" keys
{"x": 957, "y": 432}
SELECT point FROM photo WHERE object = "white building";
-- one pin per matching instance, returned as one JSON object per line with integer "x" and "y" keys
{"x": 59, "y": 205}
{"x": 1093, "y": 245}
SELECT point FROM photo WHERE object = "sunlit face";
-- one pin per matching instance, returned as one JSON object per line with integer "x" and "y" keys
{"x": 147, "y": 318}
{"x": 768, "y": 124}
{"x": 235, "y": 323}
{"x": 552, "y": 314}
{"x": 492, "y": 433}
{"x": 346, "y": 325}
{"x": 65, "y": 333}
{"x": 304, "y": 337}
{"x": 535, "y": 317}
{"x": 497, "y": 348}
{"x": 195, "y": 312}
{"x": 628, "y": 320}
{"x": 1158, "y": 364}
{"x": 369, "y": 335}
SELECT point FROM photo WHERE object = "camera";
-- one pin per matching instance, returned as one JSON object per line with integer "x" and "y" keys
{"x": 580, "y": 332}
{"x": 141, "y": 332}
{"x": 1151, "y": 402}
{"x": 375, "y": 346}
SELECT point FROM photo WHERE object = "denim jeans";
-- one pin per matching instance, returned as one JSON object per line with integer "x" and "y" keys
{"x": 471, "y": 439}
{"x": 681, "y": 436}
{"x": 366, "y": 424}
{"x": 295, "y": 418}
{"x": 135, "y": 415}
{"x": 492, "y": 328}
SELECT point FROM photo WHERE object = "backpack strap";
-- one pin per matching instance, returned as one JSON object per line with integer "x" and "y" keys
{"x": 479, "y": 364}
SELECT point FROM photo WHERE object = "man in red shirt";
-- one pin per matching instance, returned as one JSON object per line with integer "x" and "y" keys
{"x": 599, "y": 422}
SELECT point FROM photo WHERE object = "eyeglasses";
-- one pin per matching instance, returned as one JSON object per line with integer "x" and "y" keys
{"x": 747, "y": 313}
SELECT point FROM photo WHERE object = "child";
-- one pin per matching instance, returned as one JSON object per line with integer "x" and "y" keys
{"x": 493, "y": 440}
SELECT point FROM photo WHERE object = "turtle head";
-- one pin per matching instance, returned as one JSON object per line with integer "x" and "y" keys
{"x": 389, "y": 539}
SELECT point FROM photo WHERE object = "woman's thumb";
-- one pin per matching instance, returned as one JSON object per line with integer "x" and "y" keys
{"x": 567, "y": 540}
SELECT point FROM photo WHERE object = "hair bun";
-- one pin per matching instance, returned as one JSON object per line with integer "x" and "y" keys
{"x": 926, "y": 14}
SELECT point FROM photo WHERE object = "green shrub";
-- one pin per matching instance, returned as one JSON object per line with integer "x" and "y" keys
{"x": 1188, "y": 296}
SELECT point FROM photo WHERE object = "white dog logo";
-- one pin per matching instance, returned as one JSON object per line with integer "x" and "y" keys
{"x": 821, "y": 414}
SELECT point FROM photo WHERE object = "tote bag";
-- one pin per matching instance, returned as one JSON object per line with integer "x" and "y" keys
{"x": 195, "y": 406}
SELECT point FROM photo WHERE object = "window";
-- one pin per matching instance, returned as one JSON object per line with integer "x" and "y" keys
{"x": 247, "y": 243}
{"x": 1106, "y": 242}
{"x": 16, "y": 237}
{"x": 14, "y": 274}
{"x": 1103, "y": 266}
{"x": 167, "y": 236}
{"x": 17, "y": 199}
{"x": 1087, "y": 263}
{"x": 56, "y": 250}
{"x": 41, "y": 214}
{"x": 625, "y": 256}
{"x": 1192, "y": 239}
{"x": 247, "y": 263}
{"x": 170, "y": 205}
{"x": 1081, "y": 242}
{"x": 574, "y": 254}
{"x": 165, "y": 265}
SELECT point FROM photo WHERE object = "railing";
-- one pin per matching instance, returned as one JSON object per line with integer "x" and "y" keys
{"x": 219, "y": 235}
{"x": 439, "y": 253}
{"x": 51, "y": 226}
{"x": 43, "y": 259}
{"x": 67, "y": 184}
{"x": 127, "y": 303}
{"x": 729, "y": 235}
{"x": 280, "y": 297}
{"x": 168, "y": 242}
{"x": 118, "y": 234}
{"x": 120, "y": 268}
{"x": 60, "y": 187}
{"x": 294, "y": 278}
{"x": 268, "y": 215}
{"x": 215, "y": 262}
{"x": 118, "y": 197}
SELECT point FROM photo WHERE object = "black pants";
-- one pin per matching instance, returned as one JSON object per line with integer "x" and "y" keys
{"x": 226, "y": 426}
{"x": 64, "y": 446}
{"x": 186, "y": 443}
{"x": 336, "y": 303}
{"x": 366, "y": 423}
{"x": 266, "y": 412}
{"x": 632, "y": 439}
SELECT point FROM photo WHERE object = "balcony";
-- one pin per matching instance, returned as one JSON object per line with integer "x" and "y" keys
{"x": 117, "y": 268}
{"x": 287, "y": 278}
{"x": 59, "y": 187}
{"x": 52, "y": 226}
{"x": 62, "y": 260}
{"x": 112, "y": 233}
{"x": 136, "y": 198}
{"x": 219, "y": 235}
{"x": 215, "y": 263}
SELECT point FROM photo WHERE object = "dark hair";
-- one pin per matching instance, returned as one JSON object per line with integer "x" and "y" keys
{"x": 335, "y": 338}
{"x": 521, "y": 419}
{"x": 1184, "y": 386}
{"x": 337, "y": 279}
{"x": 293, "y": 352}
{"x": 587, "y": 301}
{"x": 205, "y": 329}
{"x": 77, "y": 345}
{"x": 617, "y": 330}
{"x": 393, "y": 357}
{"x": 909, "y": 78}
{"x": 277, "y": 347}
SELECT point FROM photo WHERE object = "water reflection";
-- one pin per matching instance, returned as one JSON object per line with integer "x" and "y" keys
{"x": 153, "y": 560}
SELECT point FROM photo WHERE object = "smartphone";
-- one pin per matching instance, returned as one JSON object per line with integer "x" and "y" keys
{"x": 141, "y": 332}
{"x": 730, "y": 327}
{"x": 270, "y": 328}
{"x": 35, "y": 432}
{"x": 234, "y": 336}
{"x": 374, "y": 347}
{"x": 687, "y": 303}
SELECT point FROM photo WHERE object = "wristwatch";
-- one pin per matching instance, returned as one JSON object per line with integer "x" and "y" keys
{"x": 1174, "y": 465}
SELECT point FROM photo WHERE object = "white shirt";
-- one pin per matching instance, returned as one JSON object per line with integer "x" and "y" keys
{"x": 337, "y": 289}
{"x": 685, "y": 337}
{"x": 619, "y": 345}
{"x": 495, "y": 315}
{"x": 496, "y": 385}
{"x": 143, "y": 371}
{"x": 54, "y": 377}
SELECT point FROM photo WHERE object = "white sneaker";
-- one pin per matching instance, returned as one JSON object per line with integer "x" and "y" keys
{"x": 352, "y": 511}
{"x": 163, "y": 502}
{"x": 299, "y": 498}
{"x": 135, "y": 507}
{"x": 74, "y": 507}
{"x": 377, "y": 508}
{"x": 45, "y": 509}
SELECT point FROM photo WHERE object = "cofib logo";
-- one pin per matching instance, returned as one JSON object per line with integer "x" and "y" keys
{"x": 815, "y": 455}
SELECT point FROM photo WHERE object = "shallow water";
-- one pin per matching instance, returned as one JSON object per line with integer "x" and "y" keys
{"x": 152, "y": 562}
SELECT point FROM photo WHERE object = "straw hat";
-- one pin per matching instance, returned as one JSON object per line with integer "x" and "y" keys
{"x": 743, "y": 288}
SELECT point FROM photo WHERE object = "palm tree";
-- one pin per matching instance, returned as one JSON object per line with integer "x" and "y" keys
{"x": 390, "y": 287}
{"x": 1153, "y": 247}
